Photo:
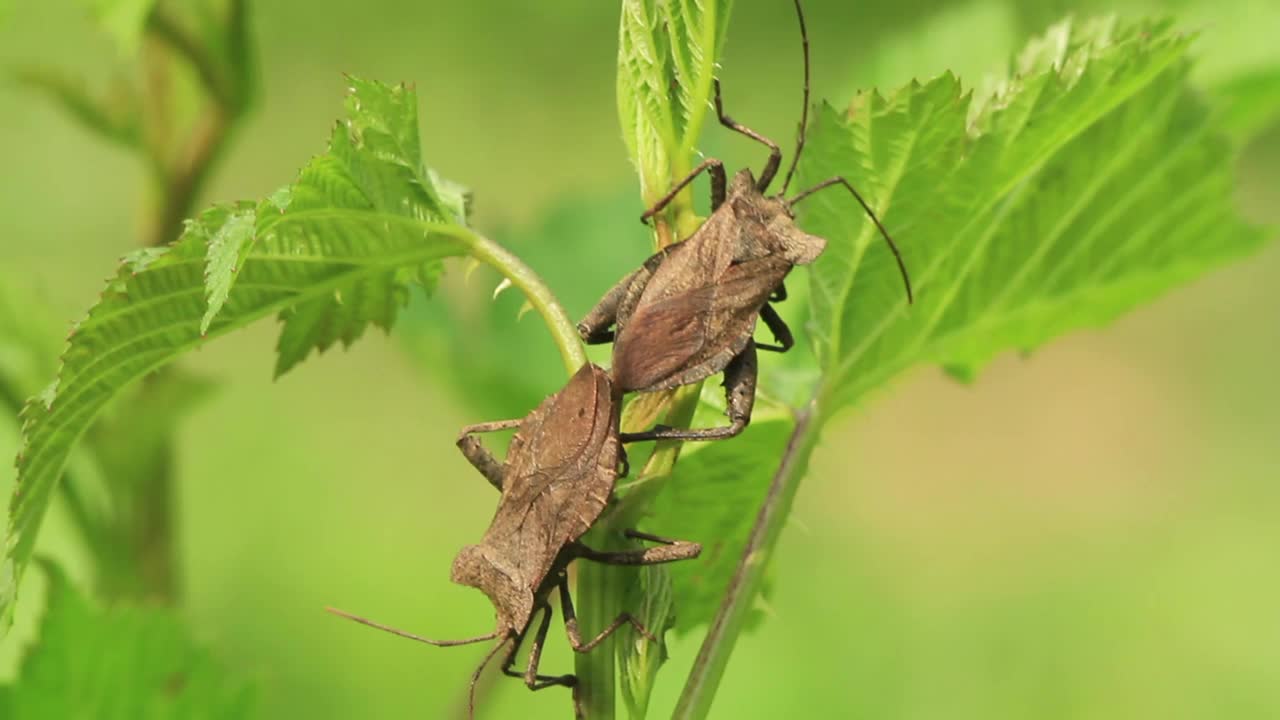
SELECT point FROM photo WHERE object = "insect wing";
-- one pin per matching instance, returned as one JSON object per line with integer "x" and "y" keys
{"x": 690, "y": 336}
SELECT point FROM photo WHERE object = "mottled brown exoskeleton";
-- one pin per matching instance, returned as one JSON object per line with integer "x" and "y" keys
{"x": 559, "y": 474}
{"x": 690, "y": 311}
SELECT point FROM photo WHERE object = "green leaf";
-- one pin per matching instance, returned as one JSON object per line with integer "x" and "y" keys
{"x": 128, "y": 444}
{"x": 122, "y": 664}
{"x": 337, "y": 251}
{"x": 711, "y": 498}
{"x": 667, "y": 50}
{"x": 1091, "y": 181}
{"x": 228, "y": 247}
{"x": 124, "y": 20}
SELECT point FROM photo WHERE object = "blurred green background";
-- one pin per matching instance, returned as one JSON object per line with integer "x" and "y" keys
{"x": 1087, "y": 533}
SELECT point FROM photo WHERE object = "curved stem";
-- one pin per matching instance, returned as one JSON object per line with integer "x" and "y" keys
{"x": 700, "y": 687}
{"x": 184, "y": 182}
{"x": 166, "y": 28}
{"x": 539, "y": 295}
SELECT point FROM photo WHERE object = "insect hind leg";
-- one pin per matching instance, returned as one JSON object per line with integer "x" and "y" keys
{"x": 740, "y": 395}
{"x": 532, "y": 679}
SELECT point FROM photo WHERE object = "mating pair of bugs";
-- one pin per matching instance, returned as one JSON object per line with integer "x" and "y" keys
{"x": 689, "y": 312}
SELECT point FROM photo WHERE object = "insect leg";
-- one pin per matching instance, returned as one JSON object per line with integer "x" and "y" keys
{"x": 624, "y": 462}
{"x": 638, "y": 535}
{"x": 530, "y": 675}
{"x": 740, "y": 396}
{"x": 535, "y": 652}
{"x": 779, "y": 293}
{"x": 775, "y": 152}
{"x": 575, "y": 636}
{"x": 478, "y": 455}
{"x": 777, "y": 326}
{"x": 718, "y": 184}
{"x": 594, "y": 328}
{"x": 670, "y": 551}
{"x": 740, "y": 387}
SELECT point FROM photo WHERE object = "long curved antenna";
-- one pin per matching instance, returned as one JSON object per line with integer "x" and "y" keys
{"x": 409, "y": 635}
{"x": 475, "y": 676}
{"x": 902, "y": 267}
{"x": 804, "y": 111}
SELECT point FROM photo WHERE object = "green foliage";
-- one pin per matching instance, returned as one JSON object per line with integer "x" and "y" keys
{"x": 496, "y": 357}
{"x": 1091, "y": 181}
{"x": 127, "y": 446}
{"x": 710, "y": 498}
{"x": 666, "y": 61}
{"x": 336, "y": 251}
{"x": 127, "y": 663}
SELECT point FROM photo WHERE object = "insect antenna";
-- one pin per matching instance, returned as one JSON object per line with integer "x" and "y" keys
{"x": 902, "y": 266}
{"x": 475, "y": 676}
{"x": 409, "y": 635}
{"x": 804, "y": 110}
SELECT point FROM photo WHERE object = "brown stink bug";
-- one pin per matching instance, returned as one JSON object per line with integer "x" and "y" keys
{"x": 690, "y": 311}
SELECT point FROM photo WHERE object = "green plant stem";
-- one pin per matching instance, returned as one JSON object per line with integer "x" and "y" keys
{"x": 187, "y": 177}
{"x": 563, "y": 331}
{"x": 135, "y": 551}
{"x": 600, "y": 593}
{"x": 601, "y": 589}
{"x": 164, "y": 27}
{"x": 704, "y": 679}
{"x": 149, "y": 569}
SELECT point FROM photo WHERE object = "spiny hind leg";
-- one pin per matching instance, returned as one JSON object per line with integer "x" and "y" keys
{"x": 530, "y": 675}
{"x": 669, "y": 551}
{"x": 575, "y": 635}
{"x": 740, "y": 396}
